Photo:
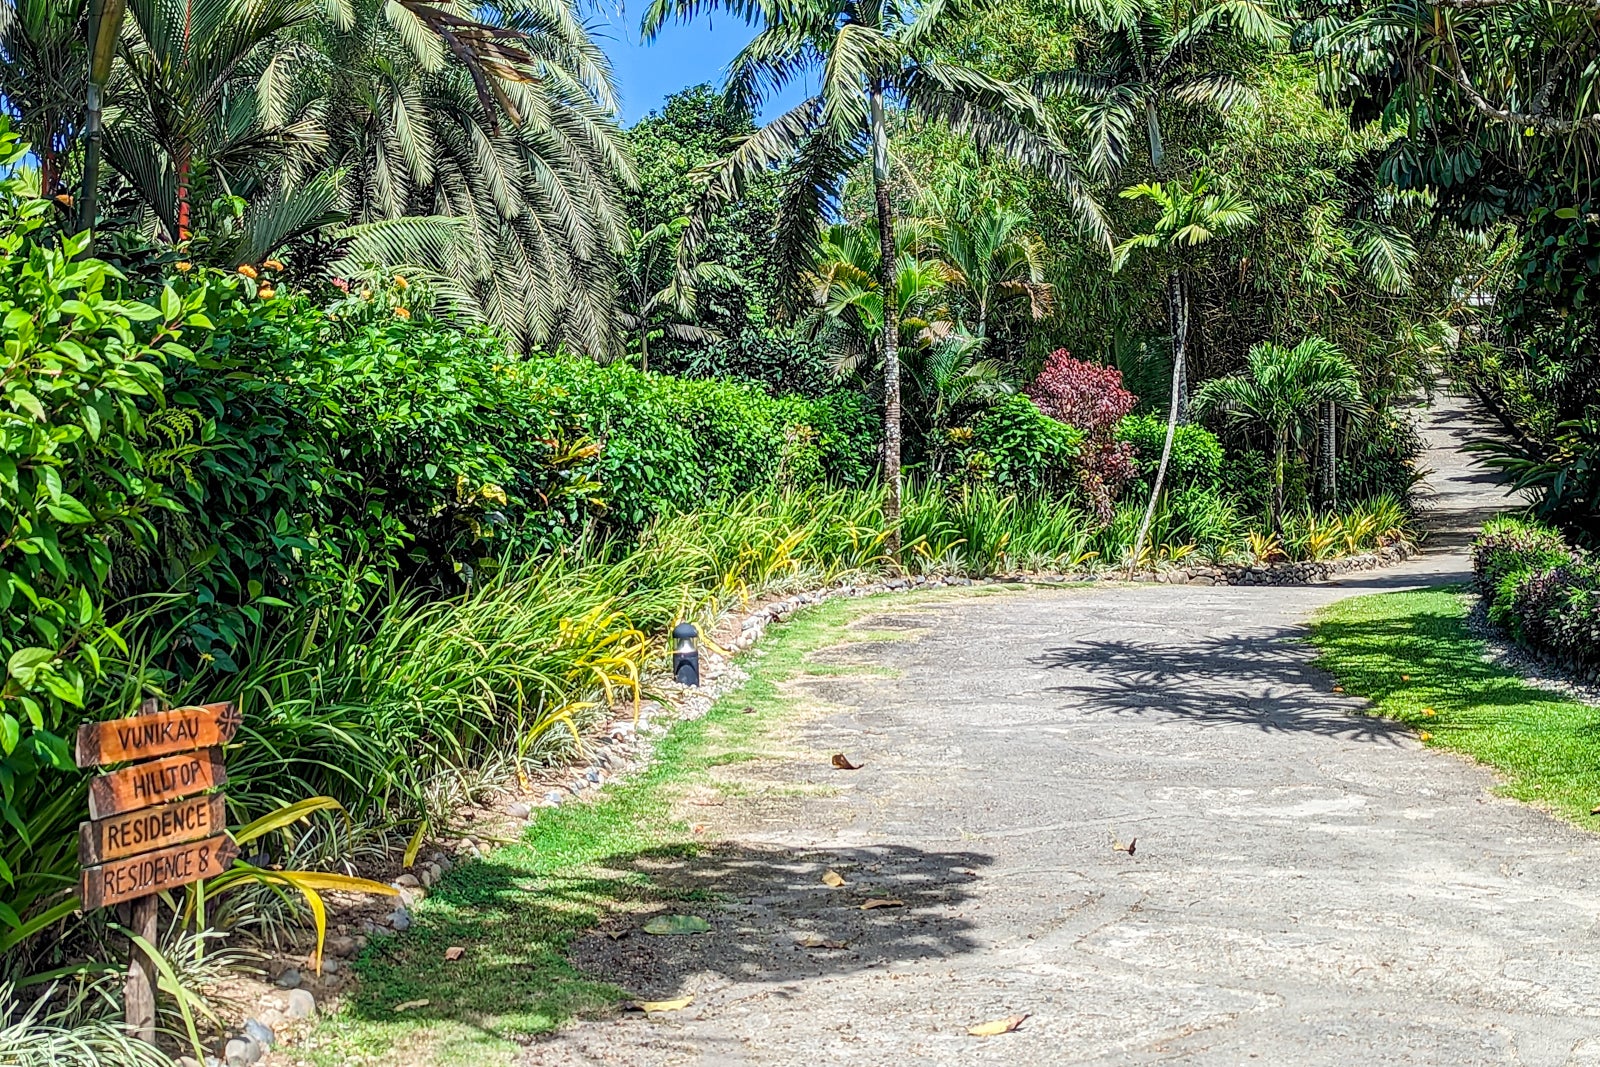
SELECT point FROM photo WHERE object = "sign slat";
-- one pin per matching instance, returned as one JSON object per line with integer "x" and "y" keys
{"x": 153, "y": 872}
{"x": 153, "y": 734}
{"x": 145, "y": 785}
{"x": 134, "y": 832}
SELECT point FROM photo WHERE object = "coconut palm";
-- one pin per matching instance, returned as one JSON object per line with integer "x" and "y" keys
{"x": 1191, "y": 215}
{"x": 1283, "y": 389}
{"x": 1149, "y": 57}
{"x": 869, "y": 56}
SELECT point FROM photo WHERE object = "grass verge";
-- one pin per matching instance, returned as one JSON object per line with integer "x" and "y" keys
{"x": 1412, "y": 655}
{"x": 517, "y": 911}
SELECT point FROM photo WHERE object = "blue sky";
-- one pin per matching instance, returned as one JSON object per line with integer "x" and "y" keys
{"x": 680, "y": 57}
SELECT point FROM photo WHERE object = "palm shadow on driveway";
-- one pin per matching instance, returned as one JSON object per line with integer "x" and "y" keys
{"x": 1265, "y": 680}
{"x": 542, "y": 950}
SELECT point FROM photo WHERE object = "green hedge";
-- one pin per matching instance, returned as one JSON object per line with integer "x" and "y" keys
{"x": 1019, "y": 449}
{"x": 1542, "y": 590}
{"x": 671, "y": 444}
{"x": 1196, "y": 460}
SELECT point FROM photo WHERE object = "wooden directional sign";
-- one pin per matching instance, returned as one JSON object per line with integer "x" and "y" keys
{"x": 151, "y": 828}
{"x": 152, "y": 872}
{"x": 158, "y": 734}
{"x": 144, "y": 785}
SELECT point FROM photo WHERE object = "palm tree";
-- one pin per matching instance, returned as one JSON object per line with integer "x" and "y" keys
{"x": 657, "y": 295}
{"x": 500, "y": 180}
{"x": 995, "y": 259}
{"x": 1283, "y": 388}
{"x": 868, "y": 55}
{"x": 847, "y": 292}
{"x": 949, "y": 376}
{"x": 1151, "y": 56}
{"x": 43, "y": 67}
{"x": 1191, "y": 215}
{"x": 481, "y": 149}
{"x": 185, "y": 103}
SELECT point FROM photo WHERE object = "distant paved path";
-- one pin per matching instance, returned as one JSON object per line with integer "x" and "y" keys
{"x": 1308, "y": 887}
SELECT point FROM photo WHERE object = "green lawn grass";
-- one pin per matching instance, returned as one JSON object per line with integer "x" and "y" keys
{"x": 1412, "y": 655}
{"x": 517, "y": 910}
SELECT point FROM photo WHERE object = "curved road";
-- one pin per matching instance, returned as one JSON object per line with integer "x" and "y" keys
{"x": 1307, "y": 887}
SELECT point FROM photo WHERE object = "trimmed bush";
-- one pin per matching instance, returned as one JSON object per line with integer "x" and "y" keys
{"x": 1196, "y": 453}
{"x": 670, "y": 444}
{"x": 1543, "y": 591}
{"x": 1020, "y": 449}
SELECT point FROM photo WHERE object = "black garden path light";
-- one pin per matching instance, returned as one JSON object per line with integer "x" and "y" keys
{"x": 685, "y": 657}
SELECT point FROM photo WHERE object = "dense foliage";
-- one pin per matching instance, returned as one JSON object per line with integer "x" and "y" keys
{"x": 1545, "y": 592}
{"x": 1495, "y": 105}
{"x": 1091, "y": 399}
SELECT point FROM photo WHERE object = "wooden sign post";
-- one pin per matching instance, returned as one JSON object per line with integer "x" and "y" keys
{"x": 152, "y": 825}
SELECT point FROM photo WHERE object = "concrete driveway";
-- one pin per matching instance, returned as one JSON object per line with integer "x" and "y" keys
{"x": 1303, "y": 886}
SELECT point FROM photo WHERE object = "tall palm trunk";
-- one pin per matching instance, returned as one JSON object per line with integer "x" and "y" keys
{"x": 1178, "y": 311}
{"x": 105, "y": 25}
{"x": 644, "y": 347}
{"x": 1328, "y": 463}
{"x": 1179, "y": 288}
{"x": 891, "y": 321}
{"x": 1280, "y": 458}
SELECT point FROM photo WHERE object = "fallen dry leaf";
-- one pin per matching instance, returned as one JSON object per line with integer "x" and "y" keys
{"x": 1424, "y": 736}
{"x": 615, "y": 935}
{"x": 410, "y": 1004}
{"x": 844, "y": 764}
{"x": 996, "y": 1027}
{"x": 1405, "y": 677}
{"x": 833, "y": 879}
{"x": 1595, "y": 810}
{"x": 1338, "y": 689}
{"x": 817, "y": 941}
{"x": 454, "y": 952}
{"x": 661, "y": 1005}
{"x": 1128, "y": 848}
{"x": 749, "y": 709}
{"x": 1427, "y": 711}
{"x": 882, "y": 902}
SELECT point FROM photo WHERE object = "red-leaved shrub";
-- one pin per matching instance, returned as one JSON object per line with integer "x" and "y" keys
{"x": 1091, "y": 398}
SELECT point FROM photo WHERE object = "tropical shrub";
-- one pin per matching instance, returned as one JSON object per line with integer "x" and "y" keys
{"x": 1543, "y": 591}
{"x": 1196, "y": 453}
{"x": 1090, "y": 398}
{"x": 1511, "y": 548}
{"x": 1018, "y": 448}
{"x": 82, "y": 374}
{"x": 670, "y": 444}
